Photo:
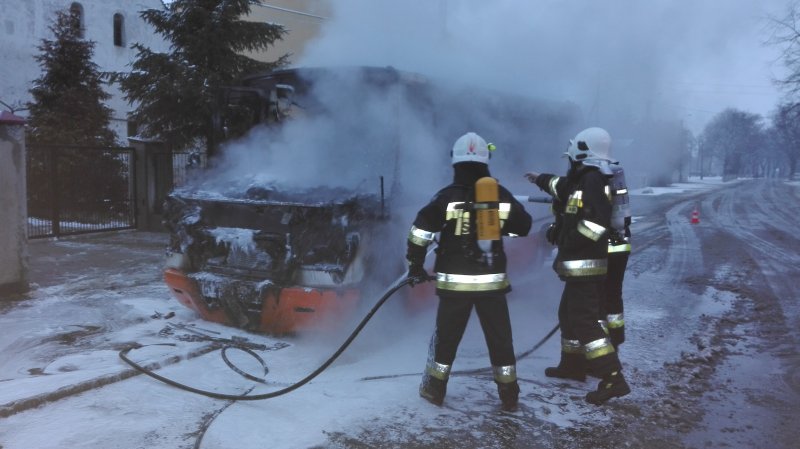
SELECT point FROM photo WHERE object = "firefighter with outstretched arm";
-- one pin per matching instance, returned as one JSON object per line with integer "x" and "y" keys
{"x": 619, "y": 238}
{"x": 470, "y": 216}
{"x": 582, "y": 206}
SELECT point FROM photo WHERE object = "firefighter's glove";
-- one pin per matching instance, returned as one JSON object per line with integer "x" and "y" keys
{"x": 551, "y": 234}
{"x": 417, "y": 275}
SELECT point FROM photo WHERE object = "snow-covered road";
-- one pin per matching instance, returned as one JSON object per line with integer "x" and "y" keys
{"x": 712, "y": 355}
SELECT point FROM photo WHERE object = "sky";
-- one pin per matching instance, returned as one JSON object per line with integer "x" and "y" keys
{"x": 619, "y": 60}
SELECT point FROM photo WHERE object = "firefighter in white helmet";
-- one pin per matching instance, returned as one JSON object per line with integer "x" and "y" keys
{"x": 619, "y": 240}
{"x": 470, "y": 217}
{"x": 582, "y": 206}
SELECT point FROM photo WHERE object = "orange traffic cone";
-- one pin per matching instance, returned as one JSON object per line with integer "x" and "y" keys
{"x": 695, "y": 216}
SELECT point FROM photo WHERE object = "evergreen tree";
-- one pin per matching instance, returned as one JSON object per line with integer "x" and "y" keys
{"x": 175, "y": 93}
{"x": 68, "y": 110}
{"x": 68, "y": 98}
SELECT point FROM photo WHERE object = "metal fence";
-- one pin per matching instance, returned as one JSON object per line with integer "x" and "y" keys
{"x": 183, "y": 164}
{"x": 78, "y": 189}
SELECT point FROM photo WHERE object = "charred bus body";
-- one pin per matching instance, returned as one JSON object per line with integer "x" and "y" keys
{"x": 303, "y": 216}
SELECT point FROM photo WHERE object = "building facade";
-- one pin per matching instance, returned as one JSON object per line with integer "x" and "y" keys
{"x": 302, "y": 19}
{"x": 114, "y": 25}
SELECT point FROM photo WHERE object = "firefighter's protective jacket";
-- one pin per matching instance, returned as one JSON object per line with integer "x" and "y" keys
{"x": 461, "y": 266}
{"x": 582, "y": 203}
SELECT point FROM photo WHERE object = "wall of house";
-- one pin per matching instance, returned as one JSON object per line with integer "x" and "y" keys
{"x": 13, "y": 219}
{"x": 302, "y": 18}
{"x": 23, "y": 25}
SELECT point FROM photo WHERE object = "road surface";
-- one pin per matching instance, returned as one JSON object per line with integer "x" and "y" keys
{"x": 711, "y": 310}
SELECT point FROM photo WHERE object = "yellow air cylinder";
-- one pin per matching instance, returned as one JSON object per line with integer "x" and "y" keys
{"x": 487, "y": 217}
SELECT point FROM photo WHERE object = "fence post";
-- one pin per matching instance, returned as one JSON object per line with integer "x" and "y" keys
{"x": 13, "y": 203}
{"x": 153, "y": 182}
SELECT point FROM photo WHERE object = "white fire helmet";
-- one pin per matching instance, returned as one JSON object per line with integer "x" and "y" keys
{"x": 591, "y": 143}
{"x": 470, "y": 148}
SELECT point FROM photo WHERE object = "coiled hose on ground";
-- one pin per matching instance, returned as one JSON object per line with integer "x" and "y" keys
{"x": 244, "y": 397}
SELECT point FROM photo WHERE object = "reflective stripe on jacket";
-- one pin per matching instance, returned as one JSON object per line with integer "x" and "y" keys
{"x": 462, "y": 265}
{"x": 583, "y": 206}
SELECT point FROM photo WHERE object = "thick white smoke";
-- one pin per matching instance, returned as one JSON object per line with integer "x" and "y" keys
{"x": 619, "y": 63}
{"x": 560, "y": 66}
{"x": 622, "y": 62}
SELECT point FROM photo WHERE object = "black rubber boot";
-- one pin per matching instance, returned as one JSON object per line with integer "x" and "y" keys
{"x": 433, "y": 389}
{"x": 509, "y": 395}
{"x": 572, "y": 366}
{"x": 612, "y": 386}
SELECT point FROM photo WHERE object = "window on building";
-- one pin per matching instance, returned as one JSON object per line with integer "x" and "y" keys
{"x": 119, "y": 29}
{"x": 76, "y": 9}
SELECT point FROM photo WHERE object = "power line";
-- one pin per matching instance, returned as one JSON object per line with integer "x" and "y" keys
{"x": 291, "y": 11}
{"x": 697, "y": 83}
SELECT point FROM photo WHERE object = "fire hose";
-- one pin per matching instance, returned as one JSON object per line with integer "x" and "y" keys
{"x": 244, "y": 397}
{"x": 238, "y": 345}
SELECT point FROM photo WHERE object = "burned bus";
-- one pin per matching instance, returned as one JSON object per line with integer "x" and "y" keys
{"x": 303, "y": 215}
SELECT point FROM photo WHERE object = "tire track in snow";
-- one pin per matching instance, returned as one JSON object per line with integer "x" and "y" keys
{"x": 764, "y": 208}
{"x": 683, "y": 256}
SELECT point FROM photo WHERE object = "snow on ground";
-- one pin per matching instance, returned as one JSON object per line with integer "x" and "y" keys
{"x": 694, "y": 183}
{"x": 69, "y": 333}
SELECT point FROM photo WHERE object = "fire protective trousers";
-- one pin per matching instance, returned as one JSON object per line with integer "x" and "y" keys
{"x": 612, "y": 305}
{"x": 451, "y": 321}
{"x": 577, "y": 318}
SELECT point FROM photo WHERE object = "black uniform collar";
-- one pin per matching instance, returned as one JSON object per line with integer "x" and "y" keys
{"x": 576, "y": 170}
{"x": 467, "y": 173}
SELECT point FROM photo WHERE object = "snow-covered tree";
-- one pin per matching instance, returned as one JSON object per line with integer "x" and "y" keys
{"x": 786, "y": 123}
{"x": 733, "y": 137}
{"x": 175, "y": 93}
{"x": 68, "y": 98}
{"x": 786, "y": 36}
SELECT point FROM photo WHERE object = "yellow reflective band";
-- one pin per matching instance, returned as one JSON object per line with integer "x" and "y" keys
{"x": 598, "y": 348}
{"x": 586, "y": 267}
{"x": 604, "y": 325}
{"x": 420, "y": 237}
{"x": 571, "y": 346}
{"x": 621, "y": 248}
{"x": 574, "y": 202}
{"x": 422, "y": 234}
{"x": 505, "y": 374}
{"x": 552, "y": 186}
{"x": 621, "y": 192}
{"x": 505, "y": 210}
{"x": 463, "y": 224}
{"x": 471, "y": 283}
{"x": 438, "y": 370}
{"x": 607, "y": 191}
{"x": 591, "y": 230}
{"x": 615, "y": 320}
{"x": 454, "y": 210}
